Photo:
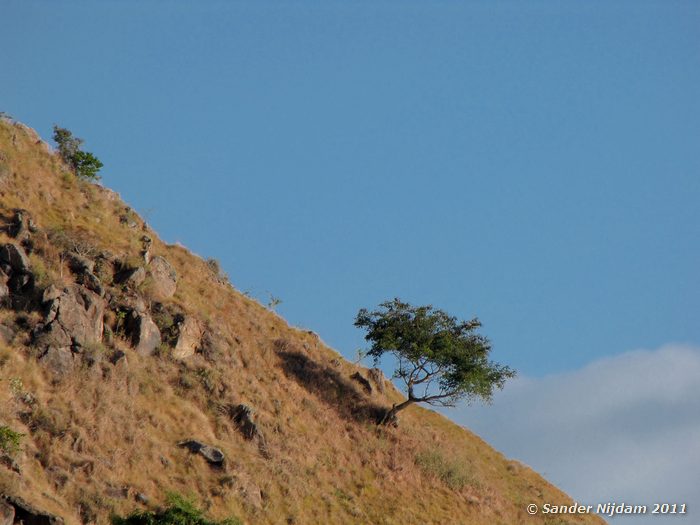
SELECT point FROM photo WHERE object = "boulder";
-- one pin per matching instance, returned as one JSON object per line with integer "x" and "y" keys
{"x": 7, "y": 334}
{"x": 189, "y": 338}
{"x": 134, "y": 277}
{"x": 144, "y": 334}
{"x": 58, "y": 361}
{"x": 28, "y": 515}
{"x": 213, "y": 455}
{"x": 15, "y": 257}
{"x": 163, "y": 279}
{"x": 74, "y": 318}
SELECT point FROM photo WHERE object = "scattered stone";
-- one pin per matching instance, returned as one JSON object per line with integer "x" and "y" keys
{"x": 22, "y": 225}
{"x": 164, "y": 279}
{"x": 362, "y": 381}
{"x": 189, "y": 338}
{"x": 242, "y": 416}
{"x": 377, "y": 377}
{"x": 15, "y": 257}
{"x": 79, "y": 264}
{"x": 144, "y": 333}
{"x": 213, "y": 455}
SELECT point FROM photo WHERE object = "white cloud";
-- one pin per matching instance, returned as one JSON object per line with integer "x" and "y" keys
{"x": 623, "y": 429}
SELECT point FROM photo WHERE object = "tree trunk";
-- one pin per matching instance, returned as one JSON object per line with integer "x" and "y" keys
{"x": 390, "y": 414}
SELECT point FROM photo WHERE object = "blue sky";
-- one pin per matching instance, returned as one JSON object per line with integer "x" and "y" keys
{"x": 534, "y": 164}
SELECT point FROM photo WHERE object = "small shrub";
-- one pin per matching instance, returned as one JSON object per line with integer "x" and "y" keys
{"x": 84, "y": 164}
{"x": 9, "y": 440}
{"x": 452, "y": 473}
{"x": 180, "y": 511}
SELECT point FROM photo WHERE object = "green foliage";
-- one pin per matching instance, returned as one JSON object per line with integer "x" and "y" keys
{"x": 84, "y": 164}
{"x": 180, "y": 511}
{"x": 452, "y": 473}
{"x": 9, "y": 440}
{"x": 439, "y": 358}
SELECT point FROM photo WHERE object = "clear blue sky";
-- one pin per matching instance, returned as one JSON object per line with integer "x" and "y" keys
{"x": 536, "y": 164}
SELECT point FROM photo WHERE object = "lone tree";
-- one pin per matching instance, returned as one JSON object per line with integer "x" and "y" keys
{"x": 439, "y": 358}
{"x": 83, "y": 163}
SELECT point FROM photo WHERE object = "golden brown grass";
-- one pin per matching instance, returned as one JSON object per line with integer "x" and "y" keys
{"x": 95, "y": 440}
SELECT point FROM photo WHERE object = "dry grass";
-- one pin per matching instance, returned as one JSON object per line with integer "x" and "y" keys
{"x": 95, "y": 440}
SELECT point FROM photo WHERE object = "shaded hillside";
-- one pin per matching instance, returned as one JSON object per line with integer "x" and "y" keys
{"x": 130, "y": 365}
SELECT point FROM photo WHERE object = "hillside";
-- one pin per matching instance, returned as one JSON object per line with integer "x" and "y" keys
{"x": 121, "y": 355}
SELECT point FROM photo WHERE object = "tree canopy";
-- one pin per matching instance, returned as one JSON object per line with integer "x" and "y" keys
{"x": 439, "y": 358}
{"x": 83, "y": 163}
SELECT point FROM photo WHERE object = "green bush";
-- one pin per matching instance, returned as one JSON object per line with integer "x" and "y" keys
{"x": 452, "y": 473}
{"x": 84, "y": 164}
{"x": 180, "y": 511}
{"x": 9, "y": 440}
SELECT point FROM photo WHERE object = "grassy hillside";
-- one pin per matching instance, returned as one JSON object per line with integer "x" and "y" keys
{"x": 102, "y": 439}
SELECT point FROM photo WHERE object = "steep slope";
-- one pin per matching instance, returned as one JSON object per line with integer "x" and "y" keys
{"x": 116, "y": 347}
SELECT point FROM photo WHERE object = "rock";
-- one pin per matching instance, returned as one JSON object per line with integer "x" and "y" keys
{"x": 4, "y": 293}
{"x": 58, "y": 361}
{"x": 145, "y": 335}
{"x": 28, "y": 515}
{"x": 74, "y": 318}
{"x": 7, "y": 334}
{"x": 213, "y": 455}
{"x": 51, "y": 293}
{"x": 189, "y": 338}
{"x": 79, "y": 264}
{"x": 7, "y": 513}
{"x": 134, "y": 277}
{"x": 91, "y": 282}
{"x": 377, "y": 377}
{"x": 15, "y": 257}
{"x": 362, "y": 381}
{"x": 22, "y": 225}
{"x": 242, "y": 416}
{"x": 142, "y": 498}
{"x": 163, "y": 279}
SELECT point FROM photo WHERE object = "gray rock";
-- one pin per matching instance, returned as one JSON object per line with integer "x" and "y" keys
{"x": 145, "y": 335}
{"x": 75, "y": 317}
{"x": 58, "y": 361}
{"x": 15, "y": 257}
{"x": 79, "y": 264}
{"x": 164, "y": 279}
{"x": 7, "y": 334}
{"x": 51, "y": 293}
{"x": 213, "y": 455}
{"x": 189, "y": 338}
{"x": 133, "y": 278}
{"x": 4, "y": 293}
{"x": 92, "y": 282}
{"x": 359, "y": 378}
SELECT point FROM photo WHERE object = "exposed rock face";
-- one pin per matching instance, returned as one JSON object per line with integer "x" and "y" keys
{"x": 164, "y": 279}
{"x": 213, "y": 455}
{"x": 25, "y": 514}
{"x": 189, "y": 338}
{"x": 14, "y": 256}
{"x": 59, "y": 361}
{"x": 134, "y": 277}
{"x": 74, "y": 317}
{"x": 145, "y": 336}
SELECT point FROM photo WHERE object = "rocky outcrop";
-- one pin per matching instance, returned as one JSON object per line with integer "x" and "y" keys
{"x": 163, "y": 279}
{"x": 74, "y": 317}
{"x": 213, "y": 455}
{"x": 143, "y": 332}
{"x": 60, "y": 362}
{"x": 189, "y": 338}
{"x": 14, "y": 257}
{"x": 7, "y": 513}
{"x": 26, "y": 514}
